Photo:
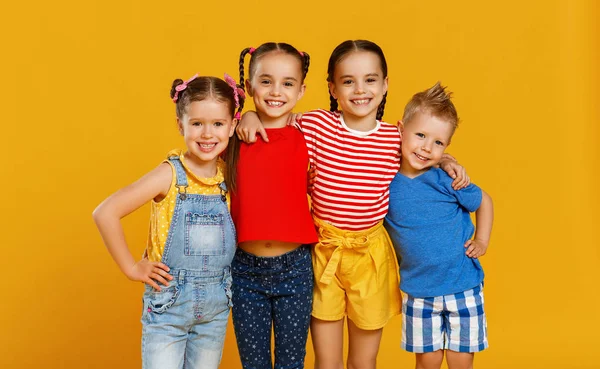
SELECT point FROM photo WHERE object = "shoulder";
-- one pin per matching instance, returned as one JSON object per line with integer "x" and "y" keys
{"x": 320, "y": 115}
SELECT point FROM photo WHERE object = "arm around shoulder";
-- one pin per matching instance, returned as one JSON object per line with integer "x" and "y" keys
{"x": 108, "y": 216}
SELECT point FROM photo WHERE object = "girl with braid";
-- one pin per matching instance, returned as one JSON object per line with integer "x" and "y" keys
{"x": 356, "y": 156}
{"x": 272, "y": 268}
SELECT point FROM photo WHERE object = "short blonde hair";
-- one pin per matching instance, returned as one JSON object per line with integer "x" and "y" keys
{"x": 435, "y": 101}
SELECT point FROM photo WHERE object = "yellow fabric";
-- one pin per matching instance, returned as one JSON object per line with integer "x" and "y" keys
{"x": 161, "y": 212}
{"x": 356, "y": 274}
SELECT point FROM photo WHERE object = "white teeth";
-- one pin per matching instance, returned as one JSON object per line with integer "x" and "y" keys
{"x": 360, "y": 102}
{"x": 421, "y": 157}
{"x": 274, "y": 103}
{"x": 207, "y": 146}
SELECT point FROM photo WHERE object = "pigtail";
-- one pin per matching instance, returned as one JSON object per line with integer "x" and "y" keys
{"x": 381, "y": 107}
{"x": 333, "y": 104}
{"x": 305, "y": 63}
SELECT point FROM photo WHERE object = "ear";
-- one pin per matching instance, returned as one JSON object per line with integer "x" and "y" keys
{"x": 180, "y": 126}
{"x": 302, "y": 90}
{"x": 331, "y": 86}
{"x": 234, "y": 124}
{"x": 401, "y": 126}
{"x": 249, "y": 88}
{"x": 385, "y": 85}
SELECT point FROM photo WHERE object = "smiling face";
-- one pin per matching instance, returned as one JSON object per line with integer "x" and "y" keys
{"x": 206, "y": 127}
{"x": 358, "y": 84}
{"x": 424, "y": 140}
{"x": 276, "y": 85}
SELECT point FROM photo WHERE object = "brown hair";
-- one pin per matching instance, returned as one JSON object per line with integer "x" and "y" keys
{"x": 435, "y": 101}
{"x": 340, "y": 52}
{"x": 255, "y": 55}
{"x": 203, "y": 88}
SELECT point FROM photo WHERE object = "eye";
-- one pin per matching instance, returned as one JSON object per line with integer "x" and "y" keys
{"x": 439, "y": 143}
{"x": 219, "y": 124}
{"x": 371, "y": 80}
{"x": 265, "y": 82}
{"x": 196, "y": 123}
{"x": 289, "y": 84}
{"x": 347, "y": 82}
{"x": 418, "y": 134}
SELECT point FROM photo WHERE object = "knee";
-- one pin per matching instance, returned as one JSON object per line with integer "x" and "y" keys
{"x": 365, "y": 363}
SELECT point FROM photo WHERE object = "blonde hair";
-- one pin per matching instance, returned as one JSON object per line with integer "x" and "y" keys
{"x": 435, "y": 101}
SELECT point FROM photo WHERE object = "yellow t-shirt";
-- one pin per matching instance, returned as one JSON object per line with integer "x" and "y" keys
{"x": 161, "y": 212}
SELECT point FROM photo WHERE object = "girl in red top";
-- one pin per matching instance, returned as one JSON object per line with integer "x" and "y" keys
{"x": 272, "y": 268}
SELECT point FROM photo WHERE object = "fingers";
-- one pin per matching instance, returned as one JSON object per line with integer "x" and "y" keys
{"x": 150, "y": 282}
{"x": 263, "y": 134}
{"x": 159, "y": 278}
{"x": 162, "y": 266}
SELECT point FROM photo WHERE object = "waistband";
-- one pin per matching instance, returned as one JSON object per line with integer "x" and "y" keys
{"x": 327, "y": 230}
{"x": 285, "y": 260}
{"x": 204, "y": 276}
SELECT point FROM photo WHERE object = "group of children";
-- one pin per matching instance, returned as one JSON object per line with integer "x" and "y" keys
{"x": 231, "y": 224}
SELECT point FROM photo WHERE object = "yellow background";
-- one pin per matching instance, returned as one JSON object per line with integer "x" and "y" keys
{"x": 85, "y": 110}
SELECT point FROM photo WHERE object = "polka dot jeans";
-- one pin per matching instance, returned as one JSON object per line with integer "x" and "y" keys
{"x": 272, "y": 292}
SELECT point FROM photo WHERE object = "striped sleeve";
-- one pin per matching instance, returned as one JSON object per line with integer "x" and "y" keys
{"x": 353, "y": 171}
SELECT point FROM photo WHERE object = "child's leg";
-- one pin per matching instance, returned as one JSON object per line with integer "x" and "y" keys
{"x": 292, "y": 305}
{"x": 429, "y": 360}
{"x": 251, "y": 314}
{"x": 327, "y": 338}
{"x": 459, "y": 360}
{"x": 206, "y": 338}
{"x": 363, "y": 347}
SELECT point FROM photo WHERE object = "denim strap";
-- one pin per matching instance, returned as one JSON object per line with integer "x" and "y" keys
{"x": 181, "y": 177}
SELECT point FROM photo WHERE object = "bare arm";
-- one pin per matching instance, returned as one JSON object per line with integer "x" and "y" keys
{"x": 456, "y": 171}
{"x": 123, "y": 202}
{"x": 484, "y": 216}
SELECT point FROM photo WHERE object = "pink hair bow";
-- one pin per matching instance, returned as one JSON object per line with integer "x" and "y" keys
{"x": 182, "y": 87}
{"x": 237, "y": 92}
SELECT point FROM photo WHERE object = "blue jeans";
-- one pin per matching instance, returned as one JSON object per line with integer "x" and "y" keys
{"x": 272, "y": 291}
{"x": 186, "y": 321}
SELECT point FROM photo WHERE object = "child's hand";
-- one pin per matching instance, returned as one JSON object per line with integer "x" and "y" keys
{"x": 312, "y": 178}
{"x": 475, "y": 248}
{"x": 249, "y": 126}
{"x": 294, "y": 119}
{"x": 456, "y": 171}
{"x": 150, "y": 272}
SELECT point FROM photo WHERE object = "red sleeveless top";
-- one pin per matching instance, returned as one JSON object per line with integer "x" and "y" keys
{"x": 270, "y": 201}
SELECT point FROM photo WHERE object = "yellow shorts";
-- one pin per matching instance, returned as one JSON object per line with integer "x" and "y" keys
{"x": 356, "y": 274}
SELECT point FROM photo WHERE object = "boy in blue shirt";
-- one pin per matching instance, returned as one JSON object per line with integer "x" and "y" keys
{"x": 431, "y": 229}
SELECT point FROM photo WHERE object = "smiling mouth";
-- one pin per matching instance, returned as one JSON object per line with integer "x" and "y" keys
{"x": 422, "y": 158}
{"x": 274, "y": 104}
{"x": 361, "y": 101}
{"x": 207, "y": 147}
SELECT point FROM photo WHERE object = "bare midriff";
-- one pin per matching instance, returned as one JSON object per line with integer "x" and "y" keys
{"x": 268, "y": 247}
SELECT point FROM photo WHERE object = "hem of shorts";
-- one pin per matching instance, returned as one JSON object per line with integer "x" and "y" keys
{"x": 470, "y": 349}
{"x": 420, "y": 349}
{"x": 329, "y": 318}
{"x": 373, "y": 327}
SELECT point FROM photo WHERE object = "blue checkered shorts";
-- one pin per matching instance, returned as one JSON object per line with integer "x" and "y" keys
{"x": 451, "y": 322}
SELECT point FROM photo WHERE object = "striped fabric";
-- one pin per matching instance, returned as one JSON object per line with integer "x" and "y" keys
{"x": 354, "y": 169}
{"x": 451, "y": 322}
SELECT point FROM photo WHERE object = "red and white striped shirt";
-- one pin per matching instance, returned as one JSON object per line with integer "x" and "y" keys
{"x": 354, "y": 169}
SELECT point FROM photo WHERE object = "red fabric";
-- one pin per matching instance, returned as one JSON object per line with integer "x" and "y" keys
{"x": 270, "y": 202}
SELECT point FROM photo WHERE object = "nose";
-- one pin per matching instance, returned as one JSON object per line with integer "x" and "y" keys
{"x": 275, "y": 90}
{"x": 206, "y": 131}
{"x": 426, "y": 146}
{"x": 359, "y": 88}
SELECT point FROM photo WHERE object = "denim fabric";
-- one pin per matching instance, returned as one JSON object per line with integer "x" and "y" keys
{"x": 184, "y": 324}
{"x": 272, "y": 291}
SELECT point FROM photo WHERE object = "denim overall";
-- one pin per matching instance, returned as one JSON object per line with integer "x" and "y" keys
{"x": 184, "y": 324}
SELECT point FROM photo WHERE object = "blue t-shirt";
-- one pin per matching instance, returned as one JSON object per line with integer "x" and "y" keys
{"x": 429, "y": 223}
